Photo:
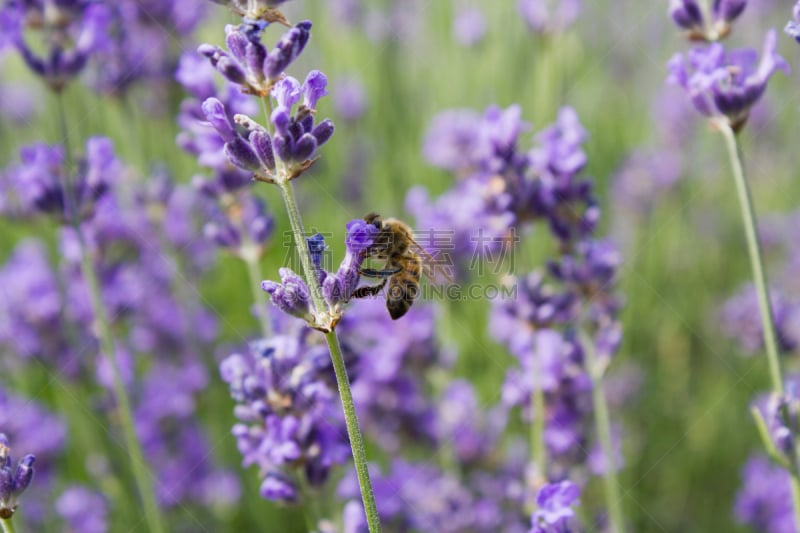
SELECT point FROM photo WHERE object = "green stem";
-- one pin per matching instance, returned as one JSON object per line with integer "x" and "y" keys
{"x": 254, "y": 276}
{"x": 324, "y": 318}
{"x": 353, "y": 431}
{"x": 538, "y": 448}
{"x": 141, "y": 472}
{"x": 756, "y": 261}
{"x": 342, "y": 380}
{"x": 8, "y": 525}
{"x": 603, "y": 428}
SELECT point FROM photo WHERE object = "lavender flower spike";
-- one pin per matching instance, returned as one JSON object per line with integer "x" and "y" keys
{"x": 248, "y": 63}
{"x": 13, "y": 481}
{"x": 291, "y": 295}
{"x": 701, "y": 25}
{"x": 338, "y": 289}
{"x": 554, "y": 503}
{"x": 724, "y": 84}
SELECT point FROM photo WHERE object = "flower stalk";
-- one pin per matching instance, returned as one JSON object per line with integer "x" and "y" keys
{"x": 602, "y": 419}
{"x": 754, "y": 250}
{"x": 760, "y": 282}
{"x": 103, "y": 333}
{"x": 326, "y": 321}
{"x": 7, "y": 525}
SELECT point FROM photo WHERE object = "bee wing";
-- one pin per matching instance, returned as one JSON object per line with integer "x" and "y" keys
{"x": 430, "y": 264}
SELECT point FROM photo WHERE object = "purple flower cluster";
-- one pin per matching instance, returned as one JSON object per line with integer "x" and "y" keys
{"x": 14, "y": 479}
{"x": 725, "y": 85}
{"x": 83, "y": 509}
{"x": 554, "y": 508}
{"x": 765, "y": 500}
{"x": 296, "y": 135}
{"x": 141, "y": 37}
{"x": 500, "y": 187}
{"x": 703, "y": 22}
{"x": 72, "y": 30}
{"x": 292, "y": 295}
{"x": 290, "y": 420}
{"x": 541, "y": 327}
{"x": 422, "y": 497}
{"x": 248, "y": 63}
{"x": 740, "y": 320}
{"x": 36, "y": 184}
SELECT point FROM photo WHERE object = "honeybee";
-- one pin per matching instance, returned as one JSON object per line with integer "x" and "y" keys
{"x": 405, "y": 263}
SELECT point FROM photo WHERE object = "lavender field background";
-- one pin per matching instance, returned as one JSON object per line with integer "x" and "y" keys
{"x": 608, "y": 205}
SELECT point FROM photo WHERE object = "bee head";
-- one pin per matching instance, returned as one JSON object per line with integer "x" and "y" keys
{"x": 374, "y": 219}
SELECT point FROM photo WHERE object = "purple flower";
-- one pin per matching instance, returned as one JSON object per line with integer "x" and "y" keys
{"x": 726, "y": 84}
{"x": 83, "y": 509}
{"x": 250, "y": 147}
{"x": 549, "y": 16}
{"x": 288, "y": 409}
{"x": 740, "y": 320}
{"x": 339, "y": 287}
{"x": 764, "y": 501}
{"x": 291, "y": 295}
{"x": 243, "y": 227}
{"x": 469, "y": 27}
{"x": 350, "y": 98}
{"x": 248, "y": 63}
{"x": 14, "y": 479}
{"x": 555, "y": 502}
{"x": 83, "y": 24}
{"x": 699, "y": 24}
{"x": 39, "y": 179}
{"x": 142, "y": 33}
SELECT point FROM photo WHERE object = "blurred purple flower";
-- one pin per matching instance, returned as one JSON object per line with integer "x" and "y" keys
{"x": 549, "y": 16}
{"x": 740, "y": 320}
{"x": 469, "y": 27}
{"x": 83, "y": 509}
{"x": 350, "y": 98}
{"x": 555, "y": 502}
{"x": 764, "y": 501}
{"x": 726, "y": 84}
{"x": 74, "y": 31}
{"x": 694, "y": 17}
{"x": 39, "y": 178}
{"x": 288, "y": 410}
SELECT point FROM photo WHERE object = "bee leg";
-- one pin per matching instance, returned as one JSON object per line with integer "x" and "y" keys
{"x": 372, "y": 273}
{"x": 374, "y": 290}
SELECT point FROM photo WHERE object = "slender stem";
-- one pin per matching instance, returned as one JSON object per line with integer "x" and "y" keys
{"x": 323, "y": 312}
{"x": 298, "y": 233}
{"x": 756, "y": 261}
{"x": 603, "y": 427}
{"x": 141, "y": 472}
{"x": 8, "y": 525}
{"x": 538, "y": 448}
{"x": 342, "y": 380}
{"x": 254, "y": 278}
{"x": 760, "y": 281}
{"x": 353, "y": 431}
